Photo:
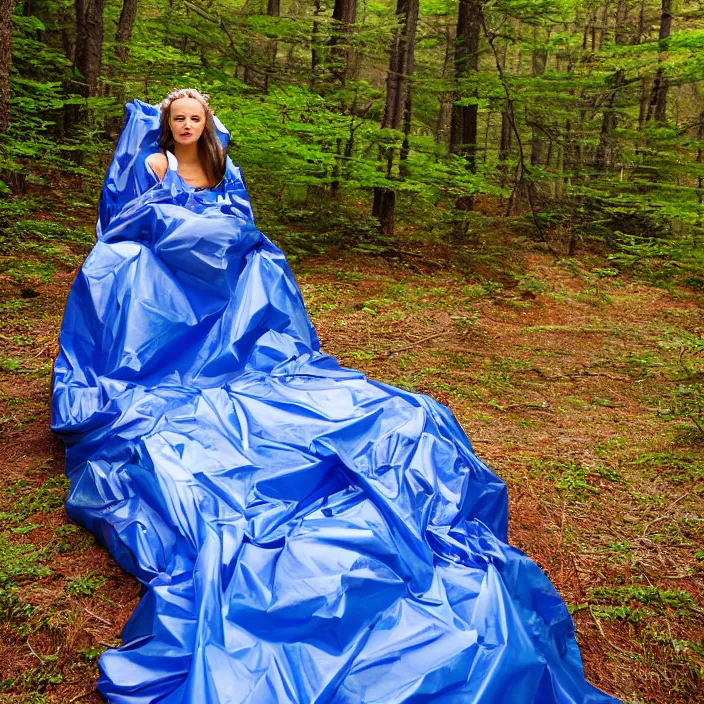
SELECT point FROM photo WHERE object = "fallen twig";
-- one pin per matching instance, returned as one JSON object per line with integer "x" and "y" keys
{"x": 41, "y": 352}
{"x": 541, "y": 407}
{"x": 585, "y": 373}
{"x": 417, "y": 342}
{"x": 603, "y": 635}
{"x": 667, "y": 511}
{"x": 418, "y": 255}
{"x": 100, "y": 618}
{"x": 34, "y": 652}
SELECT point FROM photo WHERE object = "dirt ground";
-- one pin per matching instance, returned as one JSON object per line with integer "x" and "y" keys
{"x": 562, "y": 377}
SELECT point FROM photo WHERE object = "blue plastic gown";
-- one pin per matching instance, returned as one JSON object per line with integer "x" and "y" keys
{"x": 302, "y": 533}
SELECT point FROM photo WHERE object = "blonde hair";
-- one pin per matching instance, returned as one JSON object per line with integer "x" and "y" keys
{"x": 210, "y": 151}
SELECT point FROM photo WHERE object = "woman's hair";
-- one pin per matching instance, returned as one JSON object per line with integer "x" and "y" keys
{"x": 210, "y": 151}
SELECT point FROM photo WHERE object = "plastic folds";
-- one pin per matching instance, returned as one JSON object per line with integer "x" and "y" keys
{"x": 302, "y": 533}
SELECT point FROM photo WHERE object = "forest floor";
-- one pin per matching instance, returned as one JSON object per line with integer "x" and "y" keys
{"x": 558, "y": 370}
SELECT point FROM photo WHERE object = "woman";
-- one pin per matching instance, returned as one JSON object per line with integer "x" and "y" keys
{"x": 188, "y": 130}
{"x": 303, "y": 534}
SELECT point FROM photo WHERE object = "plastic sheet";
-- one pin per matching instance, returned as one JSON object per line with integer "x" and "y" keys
{"x": 302, "y": 533}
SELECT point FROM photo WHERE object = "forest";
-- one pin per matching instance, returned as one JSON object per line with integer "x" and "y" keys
{"x": 499, "y": 203}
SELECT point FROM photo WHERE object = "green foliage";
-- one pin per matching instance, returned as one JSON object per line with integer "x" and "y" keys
{"x": 642, "y": 595}
{"x": 28, "y": 500}
{"x": 687, "y": 395}
{"x": 577, "y": 481}
{"x": 93, "y": 653}
{"x": 85, "y": 585}
{"x": 304, "y": 137}
{"x": 18, "y": 562}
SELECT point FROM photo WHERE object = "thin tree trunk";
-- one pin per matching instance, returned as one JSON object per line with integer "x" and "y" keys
{"x": 5, "y": 61}
{"x": 604, "y": 24}
{"x": 442, "y": 127}
{"x": 537, "y": 142}
{"x": 315, "y": 58}
{"x": 522, "y": 168}
{"x": 506, "y": 132}
{"x": 605, "y": 150}
{"x": 700, "y": 161}
{"x": 125, "y": 25}
{"x": 657, "y": 109}
{"x": 259, "y": 53}
{"x": 641, "y": 22}
{"x": 621, "y": 26}
{"x": 643, "y": 105}
{"x": 505, "y": 141}
{"x": 401, "y": 65}
{"x": 570, "y": 163}
{"x": 405, "y": 146}
{"x": 344, "y": 15}
{"x": 487, "y": 129}
{"x": 463, "y": 139}
{"x": 89, "y": 44}
{"x": 273, "y": 9}
{"x": 464, "y": 128}
{"x": 123, "y": 35}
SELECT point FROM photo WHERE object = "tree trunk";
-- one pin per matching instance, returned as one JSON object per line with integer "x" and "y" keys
{"x": 405, "y": 146}
{"x": 641, "y": 22}
{"x": 463, "y": 134}
{"x": 700, "y": 161}
{"x": 89, "y": 44}
{"x": 344, "y": 15}
{"x": 657, "y": 109}
{"x": 505, "y": 142}
{"x": 463, "y": 138}
{"x": 442, "y": 127}
{"x": 643, "y": 103}
{"x": 605, "y": 150}
{"x": 315, "y": 58}
{"x": 401, "y": 65}
{"x": 273, "y": 9}
{"x": 5, "y": 61}
{"x": 261, "y": 53}
{"x": 124, "y": 29}
{"x": 506, "y": 131}
{"x": 604, "y": 25}
{"x": 621, "y": 28}
{"x": 538, "y": 151}
{"x": 537, "y": 142}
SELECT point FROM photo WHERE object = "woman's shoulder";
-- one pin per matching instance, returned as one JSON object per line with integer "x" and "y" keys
{"x": 158, "y": 163}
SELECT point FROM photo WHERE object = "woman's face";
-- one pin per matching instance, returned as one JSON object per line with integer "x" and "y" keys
{"x": 187, "y": 120}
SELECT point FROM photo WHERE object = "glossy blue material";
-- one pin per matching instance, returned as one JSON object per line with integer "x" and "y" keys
{"x": 303, "y": 534}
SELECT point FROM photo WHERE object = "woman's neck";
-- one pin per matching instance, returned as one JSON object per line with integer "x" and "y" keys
{"x": 186, "y": 153}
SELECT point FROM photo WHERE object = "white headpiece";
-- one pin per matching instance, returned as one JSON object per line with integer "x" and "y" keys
{"x": 202, "y": 98}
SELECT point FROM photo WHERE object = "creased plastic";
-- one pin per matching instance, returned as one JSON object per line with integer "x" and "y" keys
{"x": 302, "y": 533}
